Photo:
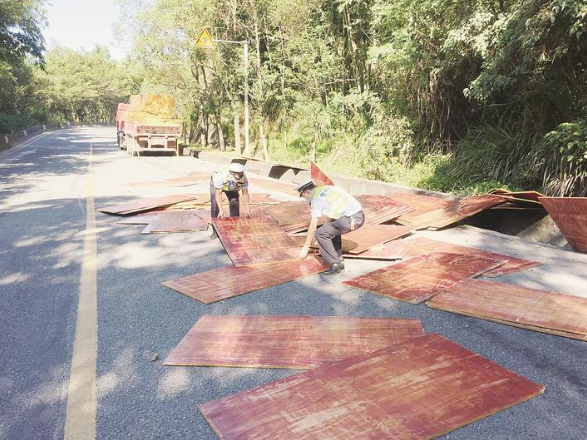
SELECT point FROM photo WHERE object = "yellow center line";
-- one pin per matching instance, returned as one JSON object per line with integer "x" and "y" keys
{"x": 80, "y": 418}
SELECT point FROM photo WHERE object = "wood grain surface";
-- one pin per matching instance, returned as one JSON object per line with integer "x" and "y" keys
{"x": 570, "y": 215}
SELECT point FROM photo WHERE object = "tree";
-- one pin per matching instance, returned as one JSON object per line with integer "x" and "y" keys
{"x": 20, "y": 30}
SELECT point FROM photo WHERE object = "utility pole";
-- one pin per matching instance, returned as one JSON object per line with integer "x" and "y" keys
{"x": 205, "y": 41}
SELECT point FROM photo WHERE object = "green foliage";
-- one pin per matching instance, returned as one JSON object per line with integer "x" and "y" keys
{"x": 20, "y": 30}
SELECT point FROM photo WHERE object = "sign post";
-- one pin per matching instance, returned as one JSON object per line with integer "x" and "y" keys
{"x": 205, "y": 41}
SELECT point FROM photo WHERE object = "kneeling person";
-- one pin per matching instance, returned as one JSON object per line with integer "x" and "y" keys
{"x": 345, "y": 214}
{"x": 229, "y": 182}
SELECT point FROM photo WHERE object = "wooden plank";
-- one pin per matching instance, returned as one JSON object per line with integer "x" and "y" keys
{"x": 291, "y": 216}
{"x": 570, "y": 215}
{"x": 227, "y": 282}
{"x": 421, "y": 245}
{"x": 175, "y": 221}
{"x": 299, "y": 342}
{"x": 274, "y": 185}
{"x": 380, "y": 209}
{"x": 393, "y": 250}
{"x": 448, "y": 215}
{"x": 420, "y": 278}
{"x": 538, "y": 310}
{"x": 255, "y": 240}
{"x": 318, "y": 177}
{"x": 420, "y": 202}
{"x": 370, "y": 235}
{"x": 418, "y": 389}
{"x": 141, "y": 205}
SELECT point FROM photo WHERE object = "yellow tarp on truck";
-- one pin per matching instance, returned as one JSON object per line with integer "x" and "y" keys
{"x": 151, "y": 110}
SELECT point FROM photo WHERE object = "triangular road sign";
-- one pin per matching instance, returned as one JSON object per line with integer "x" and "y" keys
{"x": 205, "y": 40}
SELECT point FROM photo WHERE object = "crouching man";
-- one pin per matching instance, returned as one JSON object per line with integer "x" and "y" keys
{"x": 345, "y": 214}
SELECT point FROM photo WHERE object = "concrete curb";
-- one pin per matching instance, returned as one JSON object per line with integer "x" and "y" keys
{"x": 8, "y": 141}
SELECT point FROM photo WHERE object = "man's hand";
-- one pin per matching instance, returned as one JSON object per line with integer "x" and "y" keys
{"x": 220, "y": 214}
{"x": 248, "y": 214}
{"x": 304, "y": 252}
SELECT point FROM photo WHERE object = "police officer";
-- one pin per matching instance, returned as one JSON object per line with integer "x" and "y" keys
{"x": 229, "y": 182}
{"x": 344, "y": 214}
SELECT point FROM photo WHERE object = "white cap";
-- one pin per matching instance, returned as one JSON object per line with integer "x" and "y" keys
{"x": 236, "y": 167}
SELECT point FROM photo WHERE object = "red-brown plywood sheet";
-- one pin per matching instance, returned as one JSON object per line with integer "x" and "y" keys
{"x": 255, "y": 240}
{"x": 300, "y": 342}
{"x": 175, "y": 221}
{"x": 380, "y": 209}
{"x": 415, "y": 390}
{"x": 370, "y": 235}
{"x": 534, "y": 309}
{"x": 420, "y": 278}
{"x": 421, "y": 203}
{"x": 318, "y": 177}
{"x": 291, "y": 216}
{"x": 570, "y": 215}
{"x": 227, "y": 282}
{"x": 421, "y": 245}
{"x": 274, "y": 185}
{"x": 141, "y": 205}
{"x": 393, "y": 250}
{"x": 448, "y": 215}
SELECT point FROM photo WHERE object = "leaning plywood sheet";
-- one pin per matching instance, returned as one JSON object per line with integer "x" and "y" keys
{"x": 255, "y": 240}
{"x": 370, "y": 235}
{"x": 393, "y": 250}
{"x": 318, "y": 177}
{"x": 175, "y": 221}
{"x": 570, "y": 215}
{"x": 299, "y": 342}
{"x": 227, "y": 282}
{"x": 534, "y": 309}
{"x": 418, "y": 389}
{"x": 381, "y": 209}
{"x": 466, "y": 207}
{"x": 420, "y": 278}
{"x": 421, "y": 245}
{"x": 421, "y": 204}
{"x": 141, "y": 205}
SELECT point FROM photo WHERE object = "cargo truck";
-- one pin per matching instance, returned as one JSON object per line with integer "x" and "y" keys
{"x": 148, "y": 124}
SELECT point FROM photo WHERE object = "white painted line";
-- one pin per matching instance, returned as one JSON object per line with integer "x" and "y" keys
{"x": 80, "y": 418}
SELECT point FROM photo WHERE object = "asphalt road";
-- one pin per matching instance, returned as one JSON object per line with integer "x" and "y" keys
{"x": 43, "y": 195}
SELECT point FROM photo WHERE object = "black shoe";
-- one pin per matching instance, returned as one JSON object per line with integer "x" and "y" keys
{"x": 334, "y": 269}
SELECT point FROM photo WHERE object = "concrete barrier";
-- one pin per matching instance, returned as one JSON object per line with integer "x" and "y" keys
{"x": 12, "y": 140}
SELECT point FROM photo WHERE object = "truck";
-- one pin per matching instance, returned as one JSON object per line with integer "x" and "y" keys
{"x": 148, "y": 123}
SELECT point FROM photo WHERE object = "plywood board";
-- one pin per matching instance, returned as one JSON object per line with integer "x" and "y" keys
{"x": 570, "y": 215}
{"x": 538, "y": 310}
{"x": 380, "y": 209}
{"x": 318, "y": 177}
{"x": 140, "y": 219}
{"x": 291, "y": 216}
{"x": 421, "y": 204}
{"x": 370, "y": 235}
{"x": 393, "y": 250}
{"x": 299, "y": 342}
{"x": 420, "y": 278}
{"x": 228, "y": 282}
{"x": 255, "y": 240}
{"x": 274, "y": 185}
{"x": 175, "y": 221}
{"x": 141, "y": 205}
{"x": 421, "y": 245}
{"x": 415, "y": 390}
{"x": 466, "y": 207}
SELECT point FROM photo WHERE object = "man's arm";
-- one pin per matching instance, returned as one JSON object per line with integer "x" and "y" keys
{"x": 247, "y": 201}
{"x": 309, "y": 237}
{"x": 219, "y": 203}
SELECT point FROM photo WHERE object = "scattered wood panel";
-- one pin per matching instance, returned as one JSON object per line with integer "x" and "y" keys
{"x": 299, "y": 342}
{"x": 227, "y": 282}
{"x": 140, "y": 219}
{"x": 370, "y": 235}
{"x": 393, "y": 250}
{"x": 570, "y": 215}
{"x": 421, "y": 203}
{"x": 255, "y": 240}
{"x": 421, "y": 245}
{"x": 275, "y": 185}
{"x": 420, "y": 278}
{"x": 418, "y": 389}
{"x": 141, "y": 205}
{"x": 533, "y": 309}
{"x": 466, "y": 207}
{"x": 318, "y": 177}
{"x": 381, "y": 209}
{"x": 175, "y": 221}
{"x": 291, "y": 216}
{"x": 347, "y": 245}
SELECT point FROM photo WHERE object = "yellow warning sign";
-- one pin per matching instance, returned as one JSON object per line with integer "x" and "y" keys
{"x": 205, "y": 40}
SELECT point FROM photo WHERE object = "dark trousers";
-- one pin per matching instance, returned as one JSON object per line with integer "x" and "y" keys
{"x": 233, "y": 201}
{"x": 329, "y": 234}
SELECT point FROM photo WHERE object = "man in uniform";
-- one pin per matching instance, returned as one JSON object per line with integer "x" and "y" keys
{"x": 229, "y": 182}
{"x": 344, "y": 214}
